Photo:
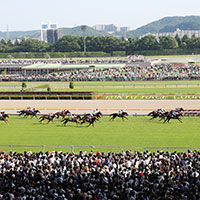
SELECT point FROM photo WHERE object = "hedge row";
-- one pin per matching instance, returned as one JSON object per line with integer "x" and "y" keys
{"x": 60, "y": 54}
{"x": 168, "y": 52}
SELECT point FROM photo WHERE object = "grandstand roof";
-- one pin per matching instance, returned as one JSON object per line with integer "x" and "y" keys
{"x": 71, "y": 66}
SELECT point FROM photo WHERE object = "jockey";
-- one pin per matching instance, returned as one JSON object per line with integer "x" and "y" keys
{"x": 63, "y": 112}
{"x": 73, "y": 116}
{"x": 32, "y": 110}
{"x": 160, "y": 111}
{"x": 91, "y": 115}
{"x": 28, "y": 108}
{"x": 50, "y": 115}
{"x": 95, "y": 111}
{"x": 1, "y": 115}
{"x": 120, "y": 112}
{"x": 174, "y": 112}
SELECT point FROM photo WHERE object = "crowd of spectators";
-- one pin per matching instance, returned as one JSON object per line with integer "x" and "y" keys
{"x": 100, "y": 176}
{"x": 24, "y": 62}
{"x": 129, "y": 73}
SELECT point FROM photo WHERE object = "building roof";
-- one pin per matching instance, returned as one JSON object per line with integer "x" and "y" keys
{"x": 71, "y": 66}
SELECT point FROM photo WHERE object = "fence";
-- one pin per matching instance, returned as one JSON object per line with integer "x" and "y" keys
{"x": 98, "y": 147}
{"x": 99, "y": 85}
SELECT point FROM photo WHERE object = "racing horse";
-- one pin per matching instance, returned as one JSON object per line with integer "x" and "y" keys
{"x": 62, "y": 114}
{"x": 122, "y": 115}
{"x": 90, "y": 120}
{"x": 170, "y": 116}
{"x": 98, "y": 115}
{"x": 154, "y": 114}
{"x": 3, "y": 118}
{"x": 21, "y": 112}
{"x": 68, "y": 119}
{"x": 31, "y": 113}
{"x": 47, "y": 117}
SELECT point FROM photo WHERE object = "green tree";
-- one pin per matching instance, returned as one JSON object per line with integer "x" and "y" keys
{"x": 178, "y": 40}
{"x": 168, "y": 42}
{"x": 148, "y": 42}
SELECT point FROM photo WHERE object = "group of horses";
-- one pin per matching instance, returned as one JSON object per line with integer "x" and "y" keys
{"x": 66, "y": 117}
{"x": 166, "y": 116}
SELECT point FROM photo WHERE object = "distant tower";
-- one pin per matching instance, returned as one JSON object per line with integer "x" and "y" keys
{"x": 43, "y": 33}
{"x": 83, "y": 28}
{"x": 7, "y": 33}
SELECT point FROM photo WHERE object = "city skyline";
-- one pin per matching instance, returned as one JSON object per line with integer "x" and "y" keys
{"x": 21, "y": 16}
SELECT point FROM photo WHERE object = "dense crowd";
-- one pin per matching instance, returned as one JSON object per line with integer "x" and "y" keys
{"x": 100, "y": 176}
{"x": 23, "y": 62}
{"x": 156, "y": 72}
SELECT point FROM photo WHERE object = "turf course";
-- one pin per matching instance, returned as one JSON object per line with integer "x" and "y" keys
{"x": 137, "y": 131}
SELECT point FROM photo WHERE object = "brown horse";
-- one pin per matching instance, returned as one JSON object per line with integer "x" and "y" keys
{"x": 90, "y": 120}
{"x": 3, "y": 118}
{"x": 75, "y": 119}
{"x": 62, "y": 114}
{"x": 46, "y": 116}
{"x": 31, "y": 113}
{"x": 123, "y": 115}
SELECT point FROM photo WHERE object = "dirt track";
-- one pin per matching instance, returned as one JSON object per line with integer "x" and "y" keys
{"x": 107, "y": 106}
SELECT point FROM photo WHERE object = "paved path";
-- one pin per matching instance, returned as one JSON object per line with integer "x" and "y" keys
{"x": 107, "y": 106}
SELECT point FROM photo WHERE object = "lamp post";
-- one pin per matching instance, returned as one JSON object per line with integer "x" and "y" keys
{"x": 83, "y": 28}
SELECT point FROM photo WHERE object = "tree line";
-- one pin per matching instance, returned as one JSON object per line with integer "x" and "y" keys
{"x": 107, "y": 44}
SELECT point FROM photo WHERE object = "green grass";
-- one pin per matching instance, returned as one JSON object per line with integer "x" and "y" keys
{"x": 137, "y": 131}
{"x": 132, "y": 87}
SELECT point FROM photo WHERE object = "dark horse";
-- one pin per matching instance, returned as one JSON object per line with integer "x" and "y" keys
{"x": 154, "y": 114}
{"x": 47, "y": 117}
{"x": 31, "y": 113}
{"x": 3, "y": 118}
{"x": 90, "y": 120}
{"x": 170, "y": 116}
{"x": 68, "y": 119}
{"x": 123, "y": 115}
{"x": 22, "y": 112}
{"x": 62, "y": 114}
{"x": 98, "y": 115}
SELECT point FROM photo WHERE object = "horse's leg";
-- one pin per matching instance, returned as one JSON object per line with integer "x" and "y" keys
{"x": 89, "y": 124}
{"x": 179, "y": 120}
{"x": 126, "y": 117}
{"x": 41, "y": 120}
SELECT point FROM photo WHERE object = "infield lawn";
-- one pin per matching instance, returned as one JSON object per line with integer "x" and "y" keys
{"x": 137, "y": 131}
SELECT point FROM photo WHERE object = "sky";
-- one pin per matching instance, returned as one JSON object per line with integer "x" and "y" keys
{"x": 29, "y": 14}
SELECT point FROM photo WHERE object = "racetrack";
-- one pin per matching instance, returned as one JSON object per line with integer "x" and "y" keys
{"x": 106, "y": 106}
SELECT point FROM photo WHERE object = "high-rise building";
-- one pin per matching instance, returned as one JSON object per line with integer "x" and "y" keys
{"x": 111, "y": 28}
{"x": 53, "y": 35}
{"x": 125, "y": 29}
{"x": 178, "y": 32}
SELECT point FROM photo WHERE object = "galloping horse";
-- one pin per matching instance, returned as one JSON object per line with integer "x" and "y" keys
{"x": 62, "y": 114}
{"x": 22, "y": 112}
{"x": 123, "y": 115}
{"x": 98, "y": 115}
{"x": 31, "y": 113}
{"x": 90, "y": 120}
{"x": 3, "y": 118}
{"x": 170, "y": 116}
{"x": 76, "y": 120}
{"x": 154, "y": 114}
{"x": 46, "y": 116}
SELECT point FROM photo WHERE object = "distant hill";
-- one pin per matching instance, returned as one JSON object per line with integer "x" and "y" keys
{"x": 168, "y": 24}
{"x": 21, "y": 34}
{"x": 76, "y": 31}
